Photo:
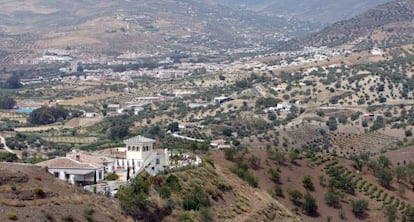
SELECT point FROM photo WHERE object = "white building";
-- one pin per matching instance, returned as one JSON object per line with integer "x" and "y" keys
{"x": 221, "y": 100}
{"x": 74, "y": 171}
{"x": 280, "y": 107}
{"x": 141, "y": 155}
{"x": 377, "y": 52}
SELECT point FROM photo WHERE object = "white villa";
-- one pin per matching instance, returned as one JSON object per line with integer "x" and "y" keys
{"x": 82, "y": 168}
{"x": 141, "y": 155}
{"x": 74, "y": 170}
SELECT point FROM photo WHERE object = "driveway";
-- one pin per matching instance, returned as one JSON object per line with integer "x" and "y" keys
{"x": 2, "y": 140}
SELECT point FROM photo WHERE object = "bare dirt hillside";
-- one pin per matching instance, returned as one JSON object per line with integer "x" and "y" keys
{"x": 29, "y": 193}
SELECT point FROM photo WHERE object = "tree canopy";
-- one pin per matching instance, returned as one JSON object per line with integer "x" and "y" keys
{"x": 7, "y": 102}
{"x": 47, "y": 115}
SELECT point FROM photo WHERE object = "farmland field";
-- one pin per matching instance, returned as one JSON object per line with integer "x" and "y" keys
{"x": 65, "y": 139}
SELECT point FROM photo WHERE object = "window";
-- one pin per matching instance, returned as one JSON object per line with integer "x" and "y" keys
{"x": 56, "y": 174}
{"x": 157, "y": 161}
{"x": 129, "y": 148}
{"x": 100, "y": 175}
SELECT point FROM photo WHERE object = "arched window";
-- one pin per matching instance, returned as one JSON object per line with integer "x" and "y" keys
{"x": 129, "y": 148}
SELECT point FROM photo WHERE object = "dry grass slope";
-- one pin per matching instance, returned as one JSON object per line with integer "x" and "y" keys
{"x": 32, "y": 194}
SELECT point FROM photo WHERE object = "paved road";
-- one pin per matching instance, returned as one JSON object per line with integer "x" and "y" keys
{"x": 2, "y": 140}
{"x": 188, "y": 138}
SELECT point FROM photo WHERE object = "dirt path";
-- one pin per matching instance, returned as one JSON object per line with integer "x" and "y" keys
{"x": 3, "y": 140}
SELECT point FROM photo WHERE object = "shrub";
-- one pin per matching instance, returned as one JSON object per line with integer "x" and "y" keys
{"x": 89, "y": 211}
{"x": 165, "y": 192}
{"x": 206, "y": 214}
{"x": 332, "y": 198}
{"x": 309, "y": 205}
{"x": 88, "y": 214}
{"x": 409, "y": 213}
{"x": 49, "y": 217}
{"x": 295, "y": 196}
{"x": 173, "y": 183}
{"x": 111, "y": 176}
{"x": 196, "y": 200}
{"x": 274, "y": 175}
{"x": 276, "y": 191}
{"x": 229, "y": 154}
{"x": 242, "y": 171}
{"x": 12, "y": 216}
{"x": 68, "y": 217}
{"x": 39, "y": 192}
{"x": 254, "y": 162}
{"x": 359, "y": 207}
{"x": 308, "y": 183}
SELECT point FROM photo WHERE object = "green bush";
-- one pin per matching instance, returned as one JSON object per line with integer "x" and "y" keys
{"x": 332, "y": 198}
{"x": 196, "y": 200}
{"x": 68, "y": 217}
{"x": 206, "y": 214}
{"x": 111, "y": 176}
{"x": 39, "y": 192}
{"x": 276, "y": 191}
{"x": 309, "y": 205}
{"x": 173, "y": 183}
{"x": 242, "y": 170}
{"x": 229, "y": 154}
{"x": 359, "y": 207}
{"x": 12, "y": 216}
{"x": 274, "y": 175}
{"x": 308, "y": 183}
{"x": 165, "y": 192}
{"x": 295, "y": 196}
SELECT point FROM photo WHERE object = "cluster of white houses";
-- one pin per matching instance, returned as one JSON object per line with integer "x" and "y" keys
{"x": 82, "y": 168}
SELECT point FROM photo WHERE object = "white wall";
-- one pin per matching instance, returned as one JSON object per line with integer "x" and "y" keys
{"x": 140, "y": 154}
{"x": 72, "y": 178}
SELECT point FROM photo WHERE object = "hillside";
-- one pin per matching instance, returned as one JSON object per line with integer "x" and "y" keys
{"x": 326, "y": 11}
{"x": 206, "y": 193}
{"x": 386, "y": 25}
{"x": 151, "y": 27}
{"x": 29, "y": 193}
{"x": 335, "y": 184}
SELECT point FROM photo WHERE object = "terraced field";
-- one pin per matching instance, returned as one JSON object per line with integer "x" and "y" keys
{"x": 13, "y": 116}
{"x": 72, "y": 140}
{"x": 363, "y": 186}
{"x": 373, "y": 142}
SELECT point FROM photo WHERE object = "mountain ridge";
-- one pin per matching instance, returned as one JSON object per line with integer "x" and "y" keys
{"x": 385, "y": 25}
{"x": 325, "y": 11}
